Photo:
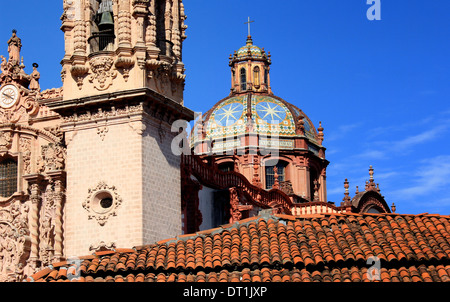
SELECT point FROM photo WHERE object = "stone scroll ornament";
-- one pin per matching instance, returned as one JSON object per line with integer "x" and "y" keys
{"x": 102, "y": 202}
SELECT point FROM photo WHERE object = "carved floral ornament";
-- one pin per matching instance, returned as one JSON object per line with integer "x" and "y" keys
{"x": 102, "y": 202}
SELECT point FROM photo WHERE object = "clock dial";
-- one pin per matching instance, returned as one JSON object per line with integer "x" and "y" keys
{"x": 9, "y": 95}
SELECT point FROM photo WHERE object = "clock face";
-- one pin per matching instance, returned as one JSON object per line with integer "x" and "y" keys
{"x": 9, "y": 94}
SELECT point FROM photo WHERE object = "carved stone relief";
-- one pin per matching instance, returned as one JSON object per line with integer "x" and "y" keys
{"x": 102, "y": 74}
{"x": 102, "y": 131}
{"x": 25, "y": 148}
{"x": 52, "y": 158}
{"x": 47, "y": 228}
{"x": 14, "y": 241}
{"x": 5, "y": 140}
{"x": 102, "y": 202}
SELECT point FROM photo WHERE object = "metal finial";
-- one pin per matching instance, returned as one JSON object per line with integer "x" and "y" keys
{"x": 248, "y": 23}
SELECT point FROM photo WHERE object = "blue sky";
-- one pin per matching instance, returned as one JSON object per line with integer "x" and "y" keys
{"x": 380, "y": 88}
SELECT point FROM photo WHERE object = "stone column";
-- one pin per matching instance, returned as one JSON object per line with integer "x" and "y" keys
{"x": 59, "y": 197}
{"x": 35, "y": 182}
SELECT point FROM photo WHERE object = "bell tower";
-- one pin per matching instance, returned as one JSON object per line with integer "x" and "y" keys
{"x": 123, "y": 81}
{"x": 116, "y": 45}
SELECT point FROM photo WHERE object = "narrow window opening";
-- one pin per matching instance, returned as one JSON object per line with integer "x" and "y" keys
{"x": 243, "y": 79}
{"x": 256, "y": 77}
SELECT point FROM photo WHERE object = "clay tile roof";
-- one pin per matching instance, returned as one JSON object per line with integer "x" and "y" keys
{"x": 334, "y": 248}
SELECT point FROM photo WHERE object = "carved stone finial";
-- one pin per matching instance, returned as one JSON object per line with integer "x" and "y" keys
{"x": 320, "y": 135}
{"x": 393, "y": 208}
{"x": 346, "y": 198}
{"x": 371, "y": 185}
{"x": 276, "y": 184}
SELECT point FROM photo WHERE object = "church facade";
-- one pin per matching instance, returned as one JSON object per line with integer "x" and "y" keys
{"x": 90, "y": 166}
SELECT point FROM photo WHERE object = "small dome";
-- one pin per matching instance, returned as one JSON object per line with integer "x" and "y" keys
{"x": 253, "y": 50}
{"x": 250, "y": 51}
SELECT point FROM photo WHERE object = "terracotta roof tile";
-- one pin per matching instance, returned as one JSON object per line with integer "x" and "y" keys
{"x": 282, "y": 248}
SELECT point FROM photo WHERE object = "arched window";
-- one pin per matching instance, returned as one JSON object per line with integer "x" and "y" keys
{"x": 102, "y": 38}
{"x": 8, "y": 177}
{"x": 256, "y": 76}
{"x": 270, "y": 173}
{"x": 243, "y": 79}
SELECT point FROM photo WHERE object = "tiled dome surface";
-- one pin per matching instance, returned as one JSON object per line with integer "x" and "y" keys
{"x": 271, "y": 116}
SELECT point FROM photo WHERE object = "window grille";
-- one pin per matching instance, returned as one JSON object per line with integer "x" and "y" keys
{"x": 8, "y": 177}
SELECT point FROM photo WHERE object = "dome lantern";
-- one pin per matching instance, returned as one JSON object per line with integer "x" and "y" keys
{"x": 250, "y": 68}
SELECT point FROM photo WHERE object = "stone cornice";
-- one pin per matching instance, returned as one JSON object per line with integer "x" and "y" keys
{"x": 151, "y": 99}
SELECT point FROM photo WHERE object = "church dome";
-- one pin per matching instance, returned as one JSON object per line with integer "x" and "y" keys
{"x": 252, "y": 108}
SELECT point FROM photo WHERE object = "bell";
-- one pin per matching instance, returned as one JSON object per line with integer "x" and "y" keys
{"x": 106, "y": 21}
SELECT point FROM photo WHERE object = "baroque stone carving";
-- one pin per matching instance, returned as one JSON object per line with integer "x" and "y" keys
{"x": 52, "y": 158}
{"x": 102, "y": 202}
{"x": 102, "y": 114}
{"x": 124, "y": 28}
{"x": 14, "y": 241}
{"x": 69, "y": 10}
{"x": 101, "y": 131}
{"x": 236, "y": 208}
{"x": 102, "y": 76}
{"x": 102, "y": 246}
{"x": 47, "y": 231}
{"x": 5, "y": 140}
{"x": 25, "y": 148}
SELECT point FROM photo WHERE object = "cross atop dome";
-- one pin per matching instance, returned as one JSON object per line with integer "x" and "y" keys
{"x": 248, "y": 23}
